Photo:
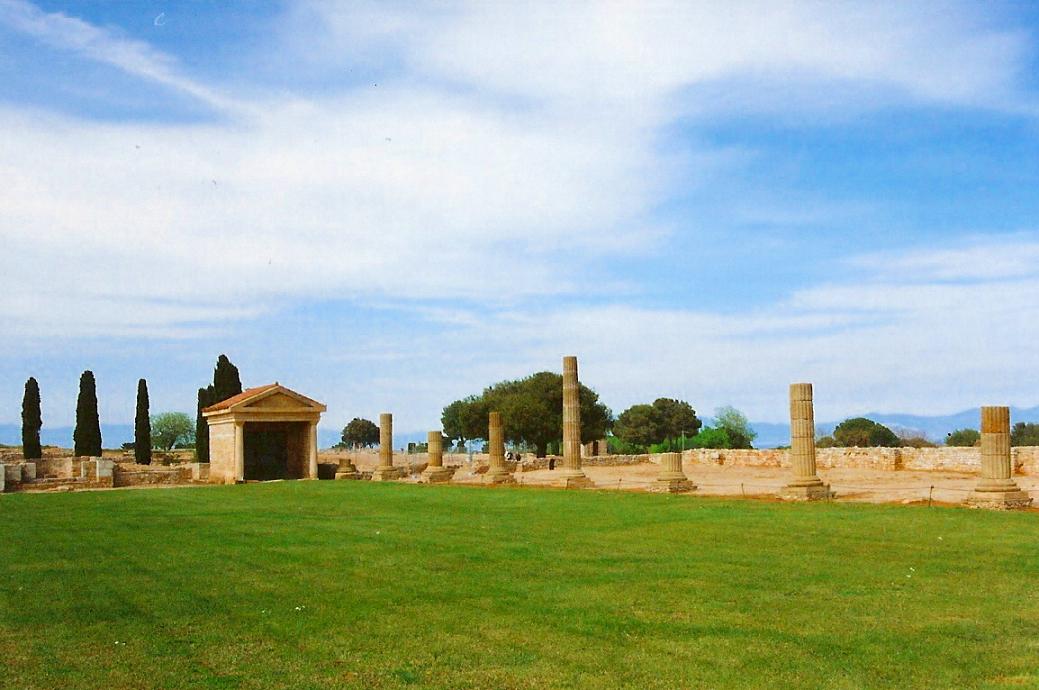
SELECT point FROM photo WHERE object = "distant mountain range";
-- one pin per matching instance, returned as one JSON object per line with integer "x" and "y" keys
{"x": 770, "y": 434}
{"x": 934, "y": 428}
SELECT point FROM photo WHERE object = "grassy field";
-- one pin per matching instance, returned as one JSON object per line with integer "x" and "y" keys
{"x": 355, "y": 584}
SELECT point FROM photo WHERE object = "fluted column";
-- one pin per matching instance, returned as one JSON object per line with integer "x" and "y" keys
{"x": 996, "y": 487}
{"x": 671, "y": 477}
{"x": 435, "y": 470}
{"x": 385, "y": 470}
{"x": 497, "y": 473}
{"x": 805, "y": 484}
{"x": 572, "y": 474}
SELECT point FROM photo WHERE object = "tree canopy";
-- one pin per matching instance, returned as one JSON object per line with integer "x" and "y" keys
{"x": 32, "y": 421}
{"x": 864, "y": 433}
{"x": 360, "y": 433}
{"x": 1024, "y": 434}
{"x": 963, "y": 437}
{"x": 86, "y": 438}
{"x": 171, "y": 428}
{"x": 736, "y": 426}
{"x": 664, "y": 421}
{"x": 531, "y": 410}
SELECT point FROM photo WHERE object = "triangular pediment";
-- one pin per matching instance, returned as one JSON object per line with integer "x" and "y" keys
{"x": 276, "y": 401}
{"x": 270, "y": 398}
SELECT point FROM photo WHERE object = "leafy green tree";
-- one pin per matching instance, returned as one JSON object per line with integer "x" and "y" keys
{"x": 171, "y": 428}
{"x": 86, "y": 438}
{"x": 710, "y": 437}
{"x": 963, "y": 437}
{"x": 678, "y": 418}
{"x": 465, "y": 419}
{"x": 736, "y": 426}
{"x": 864, "y": 433}
{"x": 142, "y": 444}
{"x": 640, "y": 426}
{"x": 1024, "y": 434}
{"x": 360, "y": 433}
{"x": 32, "y": 420}
{"x": 532, "y": 412}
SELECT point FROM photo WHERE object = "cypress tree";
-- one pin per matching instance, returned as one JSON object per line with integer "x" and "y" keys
{"x": 87, "y": 436}
{"x": 226, "y": 381}
{"x": 205, "y": 399}
{"x": 142, "y": 427}
{"x": 32, "y": 420}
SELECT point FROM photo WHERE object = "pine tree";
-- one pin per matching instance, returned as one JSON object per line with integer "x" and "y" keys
{"x": 226, "y": 381}
{"x": 205, "y": 397}
{"x": 87, "y": 436}
{"x": 31, "y": 421}
{"x": 142, "y": 427}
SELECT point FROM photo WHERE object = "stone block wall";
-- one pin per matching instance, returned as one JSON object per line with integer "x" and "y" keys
{"x": 166, "y": 476}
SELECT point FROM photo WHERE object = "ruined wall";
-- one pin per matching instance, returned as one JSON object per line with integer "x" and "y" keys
{"x": 152, "y": 477}
{"x": 968, "y": 460}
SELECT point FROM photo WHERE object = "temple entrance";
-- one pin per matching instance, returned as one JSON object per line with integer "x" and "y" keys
{"x": 266, "y": 451}
{"x": 275, "y": 450}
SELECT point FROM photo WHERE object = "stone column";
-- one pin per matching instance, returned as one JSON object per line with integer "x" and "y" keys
{"x": 385, "y": 471}
{"x": 435, "y": 470}
{"x": 996, "y": 489}
{"x": 312, "y": 451}
{"x": 671, "y": 478}
{"x": 806, "y": 485}
{"x": 497, "y": 473}
{"x": 572, "y": 475}
{"x": 239, "y": 452}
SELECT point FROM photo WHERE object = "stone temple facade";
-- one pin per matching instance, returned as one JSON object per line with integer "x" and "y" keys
{"x": 269, "y": 432}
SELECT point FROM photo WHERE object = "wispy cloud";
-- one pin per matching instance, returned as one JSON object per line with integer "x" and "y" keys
{"x": 107, "y": 46}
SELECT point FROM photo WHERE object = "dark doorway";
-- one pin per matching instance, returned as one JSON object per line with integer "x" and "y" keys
{"x": 266, "y": 451}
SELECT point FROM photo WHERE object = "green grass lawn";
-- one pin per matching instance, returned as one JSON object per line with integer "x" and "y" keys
{"x": 360, "y": 584}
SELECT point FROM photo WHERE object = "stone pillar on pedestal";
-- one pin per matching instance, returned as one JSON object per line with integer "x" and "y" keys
{"x": 385, "y": 470}
{"x": 671, "y": 478}
{"x": 572, "y": 476}
{"x": 435, "y": 470}
{"x": 497, "y": 473}
{"x": 996, "y": 489}
{"x": 806, "y": 485}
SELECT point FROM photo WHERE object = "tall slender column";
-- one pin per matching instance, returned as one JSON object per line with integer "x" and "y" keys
{"x": 435, "y": 470}
{"x": 239, "y": 451}
{"x": 385, "y": 471}
{"x": 497, "y": 473}
{"x": 671, "y": 477}
{"x": 806, "y": 484}
{"x": 996, "y": 488}
{"x": 312, "y": 451}
{"x": 572, "y": 476}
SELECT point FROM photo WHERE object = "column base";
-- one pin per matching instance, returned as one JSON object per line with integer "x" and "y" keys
{"x": 674, "y": 486}
{"x": 576, "y": 481}
{"x": 499, "y": 478}
{"x": 436, "y": 475}
{"x": 348, "y": 474}
{"x": 810, "y": 492}
{"x": 1011, "y": 499}
{"x": 386, "y": 474}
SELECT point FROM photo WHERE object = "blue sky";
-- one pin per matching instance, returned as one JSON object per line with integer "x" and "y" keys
{"x": 389, "y": 206}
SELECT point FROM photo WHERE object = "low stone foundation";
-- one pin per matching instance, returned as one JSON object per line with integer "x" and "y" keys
{"x": 1025, "y": 459}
